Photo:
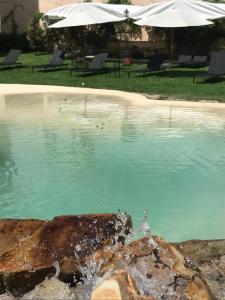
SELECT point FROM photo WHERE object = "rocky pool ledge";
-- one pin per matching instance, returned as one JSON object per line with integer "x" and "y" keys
{"x": 93, "y": 257}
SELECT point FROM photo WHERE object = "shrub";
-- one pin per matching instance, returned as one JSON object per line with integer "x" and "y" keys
{"x": 12, "y": 41}
{"x": 36, "y": 33}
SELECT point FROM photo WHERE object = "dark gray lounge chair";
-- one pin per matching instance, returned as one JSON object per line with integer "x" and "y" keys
{"x": 155, "y": 61}
{"x": 216, "y": 66}
{"x": 97, "y": 65}
{"x": 183, "y": 60}
{"x": 10, "y": 60}
{"x": 55, "y": 63}
{"x": 191, "y": 61}
{"x": 199, "y": 61}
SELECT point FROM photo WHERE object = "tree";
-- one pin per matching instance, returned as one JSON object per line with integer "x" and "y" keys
{"x": 36, "y": 33}
{"x": 41, "y": 37}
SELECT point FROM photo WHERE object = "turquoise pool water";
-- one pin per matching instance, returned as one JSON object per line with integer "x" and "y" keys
{"x": 80, "y": 154}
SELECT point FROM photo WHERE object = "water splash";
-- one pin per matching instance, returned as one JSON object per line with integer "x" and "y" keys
{"x": 142, "y": 230}
{"x": 121, "y": 226}
{"x": 90, "y": 277}
{"x": 57, "y": 269}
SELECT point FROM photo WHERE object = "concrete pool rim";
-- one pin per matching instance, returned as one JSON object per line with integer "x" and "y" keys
{"x": 134, "y": 98}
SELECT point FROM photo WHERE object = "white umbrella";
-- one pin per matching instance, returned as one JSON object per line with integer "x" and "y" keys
{"x": 172, "y": 19}
{"x": 88, "y": 15}
{"x": 178, "y": 13}
{"x": 198, "y": 8}
{"x": 80, "y": 14}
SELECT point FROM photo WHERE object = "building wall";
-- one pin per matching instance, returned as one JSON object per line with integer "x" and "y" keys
{"x": 45, "y": 5}
{"x": 21, "y": 10}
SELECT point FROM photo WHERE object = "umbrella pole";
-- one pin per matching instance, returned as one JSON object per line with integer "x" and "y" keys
{"x": 171, "y": 51}
{"x": 172, "y": 46}
{"x": 84, "y": 42}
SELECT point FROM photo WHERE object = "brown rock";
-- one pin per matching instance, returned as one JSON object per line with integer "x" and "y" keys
{"x": 12, "y": 232}
{"x": 202, "y": 250}
{"x": 146, "y": 269}
{"x": 209, "y": 257}
{"x": 51, "y": 289}
{"x": 6, "y": 297}
{"x": 158, "y": 271}
{"x": 120, "y": 286}
{"x": 34, "y": 247}
{"x": 222, "y": 263}
{"x": 196, "y": 290}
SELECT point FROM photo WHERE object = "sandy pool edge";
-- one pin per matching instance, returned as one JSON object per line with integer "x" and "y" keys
{"x": 134, "y": 98}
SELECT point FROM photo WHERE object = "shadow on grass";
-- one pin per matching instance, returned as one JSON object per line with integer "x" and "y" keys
{"x": 201, "y": 74}
{"x": 183, "y": 73}
{"x": 87, "y": 74}
{"x": 169, "y": 73}
{"x": 7, "y": 68}
{"x": 50, "y": 70}
{"x": 210, "y": 80}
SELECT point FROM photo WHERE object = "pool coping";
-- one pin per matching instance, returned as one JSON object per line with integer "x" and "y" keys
{"x": 134, "y": 98}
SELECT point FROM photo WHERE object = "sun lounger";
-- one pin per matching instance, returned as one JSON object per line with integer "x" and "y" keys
{"x": 55, "y": 63}
{"x": 191, "y": 61}
{"x": 199, "y": 60}
{"x": 183, "y": 60}
{"x": 216, "y": 66}
{"x": 155, "y": 61}
{"x": 10, "y": 60}
{"x": 97, "y": 65}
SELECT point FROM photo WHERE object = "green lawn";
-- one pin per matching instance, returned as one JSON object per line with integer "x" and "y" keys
{"x": 177, "y": 84}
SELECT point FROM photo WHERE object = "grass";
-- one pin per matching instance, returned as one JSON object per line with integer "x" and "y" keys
{"x": 176, "y": 84}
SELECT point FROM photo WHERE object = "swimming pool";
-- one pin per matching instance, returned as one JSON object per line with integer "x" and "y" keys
{"x": 70, "y": 154}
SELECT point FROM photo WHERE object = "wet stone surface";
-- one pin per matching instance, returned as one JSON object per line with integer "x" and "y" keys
{"x": 32, "y": 249}
{"x": 157, "y": 268}
{"x": 209, "y": 257}
{"x": 94, "y": 257}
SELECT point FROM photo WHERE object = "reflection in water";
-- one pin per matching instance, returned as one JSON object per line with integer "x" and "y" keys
{"x": 93, "y": 154}
{"x": 28, "y": 102}
{"x": 76, "y": 146}
{"x": 128, "y": 128}
{"x": 7, "y": 164}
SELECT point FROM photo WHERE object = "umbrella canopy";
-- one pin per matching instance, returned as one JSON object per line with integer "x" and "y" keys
{"x": 81, "y": 14}
{"x": 179, "y": 13}
{"x": 198, "y": 8}
{"x": 172, "y": 19}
